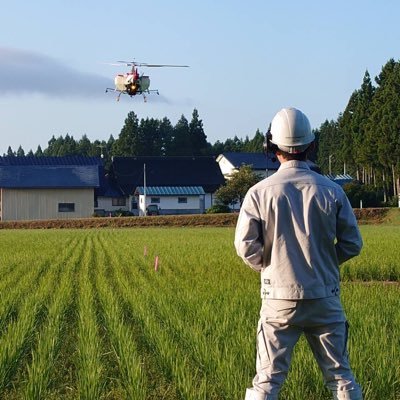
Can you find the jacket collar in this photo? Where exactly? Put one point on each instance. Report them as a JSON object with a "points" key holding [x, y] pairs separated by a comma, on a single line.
{"points": [[294, 164]]}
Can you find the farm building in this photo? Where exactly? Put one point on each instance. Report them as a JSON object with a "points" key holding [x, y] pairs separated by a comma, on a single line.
{"points": [[109, 198], [340, 179], [171, 199], [178, 172], [48, 187], [261, 164]]}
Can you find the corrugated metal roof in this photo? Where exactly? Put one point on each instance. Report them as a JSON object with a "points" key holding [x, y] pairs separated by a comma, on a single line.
{"points": [[171, 190], [339, 176], [47, 176], [340, 179]]}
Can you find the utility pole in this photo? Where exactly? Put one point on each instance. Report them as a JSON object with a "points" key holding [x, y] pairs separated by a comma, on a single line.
{"points": [[144, 189], [330, 163], [101, 149]]}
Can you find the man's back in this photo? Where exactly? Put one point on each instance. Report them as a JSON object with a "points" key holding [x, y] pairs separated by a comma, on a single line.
{"points": [[305, 228], [296, 227]]}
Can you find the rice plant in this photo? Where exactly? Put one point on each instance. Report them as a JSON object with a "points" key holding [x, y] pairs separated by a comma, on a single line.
{"points": [[90, 368], [91, 300], [44, 355]]}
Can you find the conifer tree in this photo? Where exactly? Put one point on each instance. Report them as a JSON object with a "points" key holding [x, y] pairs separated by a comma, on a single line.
{"points": [[128, 142], [181, 144], [39, 152], [150, 137], [198, 138], [329, 148], [20, 152], [10, 152], [166, 136]]}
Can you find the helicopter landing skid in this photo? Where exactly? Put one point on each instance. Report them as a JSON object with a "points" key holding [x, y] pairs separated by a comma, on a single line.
{"points": [[131, 95]]}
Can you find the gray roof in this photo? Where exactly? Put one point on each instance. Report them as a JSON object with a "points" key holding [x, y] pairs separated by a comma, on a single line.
{"points": [[171, 190], [49, 176], [179, 171], [51, 160]]}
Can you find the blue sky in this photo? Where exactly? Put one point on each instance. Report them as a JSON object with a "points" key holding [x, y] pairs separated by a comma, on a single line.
{"points": [[247, 60]]}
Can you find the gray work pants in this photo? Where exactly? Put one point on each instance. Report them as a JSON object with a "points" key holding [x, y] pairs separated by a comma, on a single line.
{"points": [[325, 327]]}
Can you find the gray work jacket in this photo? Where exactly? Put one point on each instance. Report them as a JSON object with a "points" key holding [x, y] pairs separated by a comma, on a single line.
{"points": [[296, 227]]}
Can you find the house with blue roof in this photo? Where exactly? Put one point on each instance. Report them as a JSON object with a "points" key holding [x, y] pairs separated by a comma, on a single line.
{"points": [[178, 184], [263, 165], [33, 188]]}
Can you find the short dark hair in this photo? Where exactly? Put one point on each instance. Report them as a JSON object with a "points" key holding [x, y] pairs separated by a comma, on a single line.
{"points": [[294, 156], [297, 156]]}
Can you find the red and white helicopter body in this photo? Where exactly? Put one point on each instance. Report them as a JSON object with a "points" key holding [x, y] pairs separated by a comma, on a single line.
{"points": [[131, 83]]}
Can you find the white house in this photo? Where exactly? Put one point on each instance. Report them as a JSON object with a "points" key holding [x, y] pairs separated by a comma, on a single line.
{"points": [[263, 165], [171, 199], [260, 163], [129, 173]]}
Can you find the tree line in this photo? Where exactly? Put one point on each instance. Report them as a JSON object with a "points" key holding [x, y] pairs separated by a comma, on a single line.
{"points": [[147, 137], [364, 141]]}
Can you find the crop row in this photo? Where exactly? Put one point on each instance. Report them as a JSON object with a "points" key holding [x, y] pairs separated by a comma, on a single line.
{"points": [[89, 317]]}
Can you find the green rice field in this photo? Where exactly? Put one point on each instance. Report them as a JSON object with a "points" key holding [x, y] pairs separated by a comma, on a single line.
{"points": [[84, 314]]}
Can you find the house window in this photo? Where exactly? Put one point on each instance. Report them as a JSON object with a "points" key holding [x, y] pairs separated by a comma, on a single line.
{"points": [[66, 207], [155, 200], [118, 201], [182, 200]]}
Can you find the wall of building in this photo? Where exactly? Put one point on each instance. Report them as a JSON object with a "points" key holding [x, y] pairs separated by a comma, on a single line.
{"points": [[209, 200], [34, 204], [170, 204], [225, 166], [105, 203]]}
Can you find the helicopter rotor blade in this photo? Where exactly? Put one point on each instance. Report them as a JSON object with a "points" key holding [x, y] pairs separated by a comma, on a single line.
{"points": [[107, 63], [130, 63], [164, 65], [140, 64]]}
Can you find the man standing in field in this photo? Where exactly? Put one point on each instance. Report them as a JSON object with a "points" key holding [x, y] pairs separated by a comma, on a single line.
{"points": [[296, 227]]}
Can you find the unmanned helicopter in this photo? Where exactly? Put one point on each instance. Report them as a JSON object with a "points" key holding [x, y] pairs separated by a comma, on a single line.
{"points": [[132, 83]]}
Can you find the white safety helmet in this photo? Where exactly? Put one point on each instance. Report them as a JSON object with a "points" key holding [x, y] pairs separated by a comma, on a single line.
{"points": [[291, 131]]}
